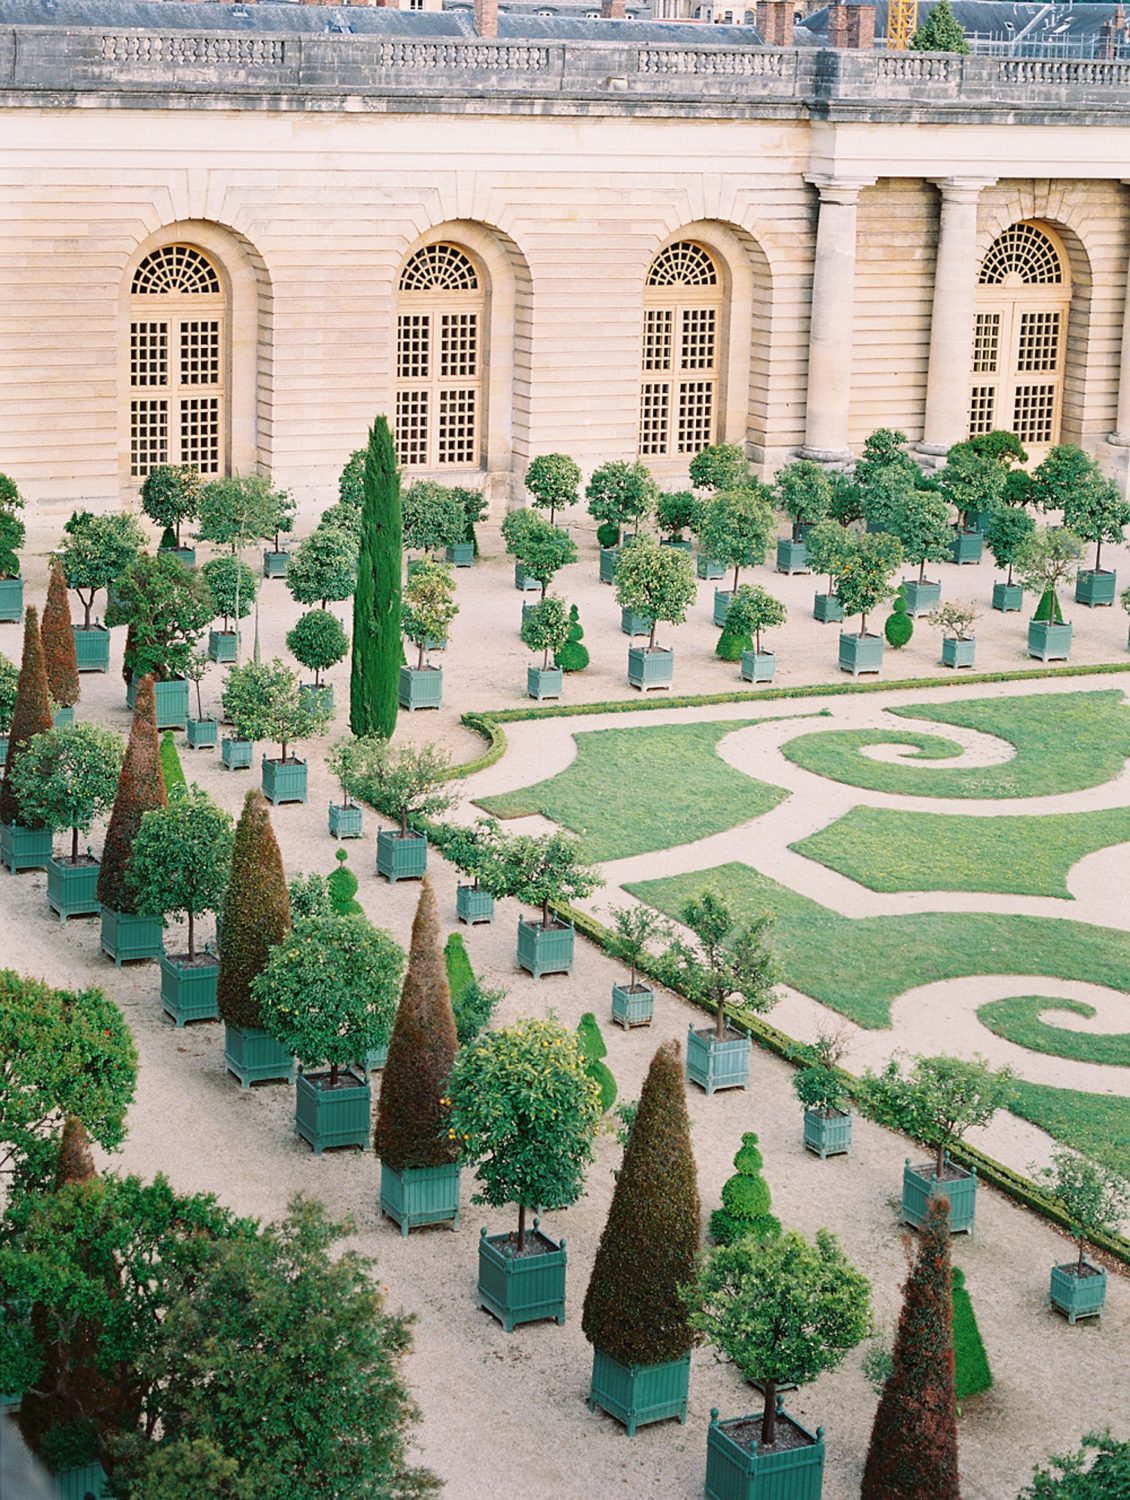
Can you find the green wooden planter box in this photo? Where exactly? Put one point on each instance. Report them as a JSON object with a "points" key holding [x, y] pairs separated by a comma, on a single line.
{"points": [[920, 1185], [80, 1484], [222, 644], [11, 600], [401, 858], [1008, 597], [473, 905], [545, 950], [71, 888], [792, 557], [633, 624], [63, 718], [421, 687], [721, 606], [375, 1060], [827, 609], [346, 820], [461, 554], [521, 1289], [202, 734], [921, 598], [320, 695], [25, 848], [128, 938], [737, 1472], [284, 781], [707, 568], [170, 700], [3, 751], [1048, 641], [632, 1007], [329, 1118], [758, 666], [1078, 1296], [254, 1056], [639, 1394], [1095, 590], [680, 544], [957, 653], [966, 547], [544, 682], [235, 753], [92, 648], [648, 669], [188, 991], [827, 1133], [274, 564], [527, 610], [184, 555], [715, 1065], [525, 581], [420, 1195], [609, 560], [860, 653]]}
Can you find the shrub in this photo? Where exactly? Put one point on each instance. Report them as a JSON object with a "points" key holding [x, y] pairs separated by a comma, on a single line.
{"points": [[971, 1364], [954, 619], [1099, 1470], [592, 1043], [31, 714], [166, 608], [341, 888], [12, 529], [472, 1003], [141, 788], [746, 1199], [309, 897], [59, 642], [608, 535], [181, 860], [655, 582], [675, 512], [233, 587], [572, 656], [722, 466], [900, 626], [9, 680], [553, 479], [323, 568], [620, 494], [172, 772], [433, 517], [318, 641], [256, 912], [170, 494]]}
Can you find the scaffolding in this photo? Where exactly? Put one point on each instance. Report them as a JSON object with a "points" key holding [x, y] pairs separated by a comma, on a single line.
{"points": [[902, 23]]}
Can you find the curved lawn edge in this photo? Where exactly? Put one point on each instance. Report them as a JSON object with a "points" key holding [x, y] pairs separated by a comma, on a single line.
{"points": [[1016, 1018]]}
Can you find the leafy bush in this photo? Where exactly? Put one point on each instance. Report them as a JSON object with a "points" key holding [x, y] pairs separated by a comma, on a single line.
{"points": [[572, 656], [595, 1051], [746, 1200], [472, 1003], [900, 626], [318, 641], [172, 772]]}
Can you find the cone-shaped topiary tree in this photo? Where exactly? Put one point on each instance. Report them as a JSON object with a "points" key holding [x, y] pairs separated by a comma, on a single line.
{"points": [[412, 1121], [634, 1310], [913, 1449], [31, 714], [59, 641], [141, 788], [256, 912], [745, 1199], [375, 676]]}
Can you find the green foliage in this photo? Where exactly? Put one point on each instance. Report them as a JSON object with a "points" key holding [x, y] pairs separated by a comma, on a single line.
{"points": [[168, 542], [722, 466], [608, 534], [592, 1044], [67, 778], [341, 888], [821, 1086], [1044, 562], [263, 701], [429, 605], [919, 518], [941, 31], [621, 494], [1098, 1470], [735, 527], [66, 1053], [405, 783], [433, 516], [972, 1374], [753, 609], [12, 529], [745, 1200], [323, 568], [727, 958], [553, 480], [95, 552], [166, 607], [375, 672], [675, 512], [474, 503], [471, 1002], [9, 678], [1097, 512], [170, 494], [884, 453], [541, 548], [181, 859], [954, 619], [256, 912], [804, 492], [1017, 1019], [656, 582], [1095, 1199], [863, 579], [233, 587], [633, 928], [939, 1101], [732, 643], [309, 896], [974, 480], [525, 1109], [1064, 471], [244, 508], [543, 870], [899, 627], [351, 481], [141, 788], [172, 772], [318, 640], [546, 627], [572, 656], [828, 546]]}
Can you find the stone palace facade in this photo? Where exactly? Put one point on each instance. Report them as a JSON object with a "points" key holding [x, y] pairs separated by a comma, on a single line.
{"points": [[229, 241]]}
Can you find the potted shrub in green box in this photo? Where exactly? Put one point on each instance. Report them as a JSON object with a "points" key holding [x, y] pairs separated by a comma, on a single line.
{"points": [[406, 784], [127, 933], [955, 621], [59, 657], [863, 582], [735, 527], [180, 867], [24, 845], [418, 1150], [1096, 1201], [974, 481], [657, 583], [725, 959], [276, 557], [170, 495], [1069, 481], [202, 731], [328, 994], [1043, 565], [322, 570], [429, 608], [828, 544], [553, 480], [525, 1110], [619, 495], [804, 492], [1006, 531], [676, 511], [545, 629], [346, 818], [263, 701], [166, 608], [12, 533], [66, 779], [633, 927], [721, 466], [752, 610], [462, 554], [920, 519], [238, 511], [543, 870], [822, 1089], [540, 549], [475, 851], [233, 587], [434, 518], [781, 1310], [635, 1316], [319, 642]]}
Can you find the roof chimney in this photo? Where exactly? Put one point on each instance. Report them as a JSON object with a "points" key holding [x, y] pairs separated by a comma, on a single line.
{"points": [[486, 17]]}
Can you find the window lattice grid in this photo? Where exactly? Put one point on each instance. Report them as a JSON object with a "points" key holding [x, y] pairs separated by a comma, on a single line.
{"points": [[1038, 344], [982, 407], [412, 427], [1033, 413], [439, 268], [413, 346], [695, 422], [148, 435], [698, 338], [655, 408], [1024, 253], [986, 343], [683, 264], [458, 345], [658, 337], [200, 433], [455, 438], [200, 351], [176, 269], [148, 354]]}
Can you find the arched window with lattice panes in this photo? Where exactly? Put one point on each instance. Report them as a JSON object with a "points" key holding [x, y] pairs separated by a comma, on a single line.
{"points": [[1020, 337], [177, 362], [682, 354], [440, 356]]}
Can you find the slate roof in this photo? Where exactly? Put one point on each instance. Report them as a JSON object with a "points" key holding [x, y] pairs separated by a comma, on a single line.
{"points": [[1071, 23]]}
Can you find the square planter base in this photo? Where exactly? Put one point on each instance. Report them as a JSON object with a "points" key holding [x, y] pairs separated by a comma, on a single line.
{"points": [[957, 653], [421, 687], [329, 1118], [202, 734], [522, 1288], [236, 754], [544, 682], [735, 1470], [1008, 597], [632, 1007], [417, 1196], [283, 781], [922, 597], [639, 1394], [717, 1065], [128, 938], [860, 653], [24, 848], [188, 991], [472, 906], [1095, 590], [650, 669], [346, 820], [71, 889], [758, 666], [827, 1134], [401, 858], [1049, 641], [920, 1185], [254, 1056], [545, 950], [827, 609], [274, 564], [1078, 1296], [92, 648], [78, 1484]]}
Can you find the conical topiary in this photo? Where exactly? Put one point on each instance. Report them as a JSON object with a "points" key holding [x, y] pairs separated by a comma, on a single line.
{"points": [[256, 912], [412, 1127], [745, 1199], [141, 788], [634, 1309], [913, 1451], [731, 644], [572, 657], [59, 642], [31, 713]]}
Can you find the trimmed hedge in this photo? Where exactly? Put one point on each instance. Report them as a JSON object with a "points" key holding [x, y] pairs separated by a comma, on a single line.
{"points": [[971, 1364], [594, 1049]]}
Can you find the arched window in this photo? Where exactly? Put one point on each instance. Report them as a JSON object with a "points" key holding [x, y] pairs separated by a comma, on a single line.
{"points": [[177, 362], [682, 315], [439, 360], [1020, 337]]}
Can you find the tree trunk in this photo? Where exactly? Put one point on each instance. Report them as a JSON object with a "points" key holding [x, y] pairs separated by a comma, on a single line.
{"points": [[333, 1075], [546, 919], [88, 605], [651, 637], [191, 939], [403, 822], [769, 1418], [940, 1158], [632, 979], [737, 570], [521, 1227], [757, 641], [1098, 553], [282, 757], [74, 846], [1008, 580], [420, 658], [863, 624], [720, 1021], [545, 660], [922, 571], [545, 585], [1082, 1249]]}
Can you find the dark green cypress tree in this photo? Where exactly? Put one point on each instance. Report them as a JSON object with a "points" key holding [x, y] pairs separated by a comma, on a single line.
{"points": [[256, 912], [375, 674]]}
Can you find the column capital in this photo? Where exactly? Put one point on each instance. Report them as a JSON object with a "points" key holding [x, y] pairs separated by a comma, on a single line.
{"points": [[962, 189], [835, 189]]}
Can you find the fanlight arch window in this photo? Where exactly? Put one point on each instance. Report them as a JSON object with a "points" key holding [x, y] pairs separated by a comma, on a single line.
{"points": [[1020, 337], [439, 360], [682, 351], [177, 362]]}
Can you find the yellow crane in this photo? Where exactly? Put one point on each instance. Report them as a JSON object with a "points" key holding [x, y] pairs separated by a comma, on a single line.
{"points": [[902, 23]]}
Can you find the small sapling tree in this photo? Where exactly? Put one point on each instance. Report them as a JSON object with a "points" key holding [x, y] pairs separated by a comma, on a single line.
{"points": [[955, 620], [620, 494], [939, 1100], [95, 552], [633, 928], [67, 778], [434, 517], [263, 701], [233, 587], [166, 607], [655, 582], [865, 573], [318, 641], [1007, 531], [751, 610], [540, 549], [736, 526], [553, 479], [722, 466], [181, 860], [725, 959], [429, 607], [170, 495], [544, 870], [404, 784], [546, 627], [804, 492], [676, 511], [1095, 1199], [323, 568], [1044, 563]]}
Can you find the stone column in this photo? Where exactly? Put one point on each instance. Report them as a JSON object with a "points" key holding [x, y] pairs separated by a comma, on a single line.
{"points": [[951, 320], [1120, 437], [833, 320]]}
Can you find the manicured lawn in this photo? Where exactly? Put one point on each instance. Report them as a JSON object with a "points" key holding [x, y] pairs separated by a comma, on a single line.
{"points": [[859, 965], [1017, 1019], [1064, 742], [1096, 1124], [907, 851], [632, 791]]}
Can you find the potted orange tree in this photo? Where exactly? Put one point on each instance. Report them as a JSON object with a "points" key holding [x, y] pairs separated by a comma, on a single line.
{"points": [[543, 870], [619, 494], [735, 528], [1096, 1201], [429, 608], [862, 583], [655, 584], [406, 785], [233, 586], [545, 628], [633, 1004], [1044, 561], [804, 492]]}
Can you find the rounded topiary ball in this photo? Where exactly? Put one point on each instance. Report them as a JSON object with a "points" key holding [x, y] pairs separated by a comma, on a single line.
{"points": [[900, 626], [608, 534]]}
